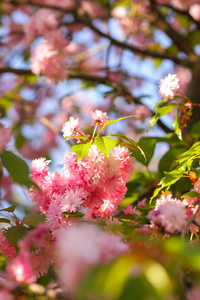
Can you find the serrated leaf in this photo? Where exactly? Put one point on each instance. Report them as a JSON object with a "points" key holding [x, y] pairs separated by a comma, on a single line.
{"points": [[176, 126], [105, 144], [131, 142], [4, 220], [81, 137], [16, 233], [17, 168], [192, 194], [9, 209], [107, 123], [34, 221], [82, 149]]}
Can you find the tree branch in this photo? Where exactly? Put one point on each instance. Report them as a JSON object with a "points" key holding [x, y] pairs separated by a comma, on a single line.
{"points": [[81, 18], [146, 52], [178, 40], [92, 78]]}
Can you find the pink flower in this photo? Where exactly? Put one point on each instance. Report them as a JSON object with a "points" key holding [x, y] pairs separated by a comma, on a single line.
{"points": [[43, 21], [142, 111], [98, 117], [49, 59], [131, 211], [70, 127], [73, 200], [4, 294], [6, 248], [81, 247], [39, 168], [181, 4], [197, 186], [20, 269], [194, 11], [171, 215], [169, 86], [4, 137]]}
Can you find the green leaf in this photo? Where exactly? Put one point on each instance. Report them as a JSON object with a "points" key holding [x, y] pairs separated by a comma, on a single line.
{"points": [[105, 144], [34, 221], [16, 233], [9, 209], [4, 220], [17, 168], [147, 144], [81, 137], [176, 126], [157, 104], [168, 158], [107, 123], [153, 120], [130, 144], [192, 194], [161, 111], [169, 179], [82, 149], [195, 131]]}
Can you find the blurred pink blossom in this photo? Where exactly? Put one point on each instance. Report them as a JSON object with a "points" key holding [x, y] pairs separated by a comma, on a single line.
{"points": [[4, 137]]}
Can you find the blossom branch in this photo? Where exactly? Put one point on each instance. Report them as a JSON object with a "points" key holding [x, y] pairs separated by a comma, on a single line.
{"points": [[92, 78]]}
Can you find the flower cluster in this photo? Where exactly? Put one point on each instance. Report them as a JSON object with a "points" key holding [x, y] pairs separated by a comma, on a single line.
{"points": [[49, 58], [169, 213], [169, 86], [95, 182]]}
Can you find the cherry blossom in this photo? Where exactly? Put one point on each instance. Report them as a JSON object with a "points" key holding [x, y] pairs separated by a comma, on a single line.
{"points": [[169, 86]]}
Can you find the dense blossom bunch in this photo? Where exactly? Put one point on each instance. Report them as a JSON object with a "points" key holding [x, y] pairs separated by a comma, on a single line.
{"points": [[169, 213], [41, 23], [169, 86], [49, 58], [96, 182]]}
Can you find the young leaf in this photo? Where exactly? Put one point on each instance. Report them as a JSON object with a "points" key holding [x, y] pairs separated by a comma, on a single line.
{"points": [[157, 104], [161, 111], [176, 126], [81, 137], [9, 209], [17, 168], [82, 149], [191, 194], [105, 144], [114, 121], [153, 120], [16, 233], [4, 220], [34, 221]]}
